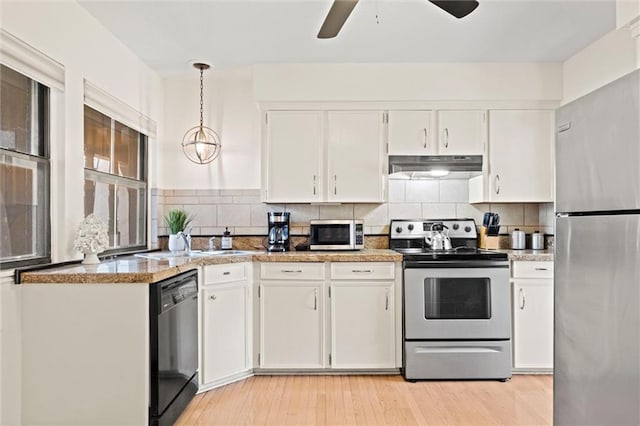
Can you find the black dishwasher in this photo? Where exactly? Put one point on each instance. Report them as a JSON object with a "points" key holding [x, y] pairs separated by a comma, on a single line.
{"points": [[173, 342]]}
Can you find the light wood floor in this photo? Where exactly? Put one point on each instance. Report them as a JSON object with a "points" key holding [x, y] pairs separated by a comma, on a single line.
{"points": [[373, 400]]}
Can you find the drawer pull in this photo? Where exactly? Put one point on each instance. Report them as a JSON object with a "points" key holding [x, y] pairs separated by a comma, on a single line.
{"points": [[291, 271], [226, 273], [542, 269], [362, 271], [213, 297]]}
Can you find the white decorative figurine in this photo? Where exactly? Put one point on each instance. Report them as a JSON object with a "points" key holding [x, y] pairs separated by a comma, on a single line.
{"points": [[91, 238]]}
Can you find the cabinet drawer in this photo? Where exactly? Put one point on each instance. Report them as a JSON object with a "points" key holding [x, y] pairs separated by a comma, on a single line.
{"points": [[215, 274], [292, 271], [532, 269], [362, 270]]}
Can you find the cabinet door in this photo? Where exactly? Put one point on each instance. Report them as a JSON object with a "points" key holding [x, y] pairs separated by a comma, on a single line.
{"points": [[362, 325], [521, 156], [356, 156], [411, 133], [224, 331], [291, 319], [462, 132], [533, 323], [294, 140]]}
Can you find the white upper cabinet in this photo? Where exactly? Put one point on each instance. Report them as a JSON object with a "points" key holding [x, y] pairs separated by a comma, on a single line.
{"points": [[294, 141], [412, 133], [318, 156], [520, 158], [355, 156], [462, 132]]}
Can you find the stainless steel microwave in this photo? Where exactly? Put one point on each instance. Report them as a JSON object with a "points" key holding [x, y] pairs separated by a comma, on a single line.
{"points": [[336, 234]]}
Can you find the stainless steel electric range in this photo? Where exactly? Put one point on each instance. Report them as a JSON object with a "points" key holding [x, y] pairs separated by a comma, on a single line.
{"points": [[456, 302]]}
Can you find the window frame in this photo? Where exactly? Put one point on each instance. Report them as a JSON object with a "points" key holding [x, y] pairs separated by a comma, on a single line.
{"points": [[112, 178], [41, 107]]}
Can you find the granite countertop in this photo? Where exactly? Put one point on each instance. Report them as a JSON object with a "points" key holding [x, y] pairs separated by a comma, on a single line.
{"points": [[530, 255], [132, 269], [367, 255]]}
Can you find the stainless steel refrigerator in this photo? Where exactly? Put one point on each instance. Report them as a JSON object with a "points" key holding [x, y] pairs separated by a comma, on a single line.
{"points": [[597, 258]]}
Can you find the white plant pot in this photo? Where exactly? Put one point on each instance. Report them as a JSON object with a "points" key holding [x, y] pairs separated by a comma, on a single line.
{"points": [[175, 243], [91, 259]]}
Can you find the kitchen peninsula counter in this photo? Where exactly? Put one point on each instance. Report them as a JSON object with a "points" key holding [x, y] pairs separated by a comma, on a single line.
{"points": [[138, 270]]}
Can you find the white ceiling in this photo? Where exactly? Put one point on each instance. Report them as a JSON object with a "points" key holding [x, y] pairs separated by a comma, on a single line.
{"points": [[168, 34]]}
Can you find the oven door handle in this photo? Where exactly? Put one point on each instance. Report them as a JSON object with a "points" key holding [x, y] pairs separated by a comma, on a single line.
{"points": [[456, 264], [461, 349]]}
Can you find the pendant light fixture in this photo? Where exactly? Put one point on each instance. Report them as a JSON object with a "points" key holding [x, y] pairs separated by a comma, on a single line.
{"points": [[201, 144]]}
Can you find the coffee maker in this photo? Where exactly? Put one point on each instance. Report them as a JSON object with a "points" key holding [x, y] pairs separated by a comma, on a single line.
{"points": [[278, 223]]}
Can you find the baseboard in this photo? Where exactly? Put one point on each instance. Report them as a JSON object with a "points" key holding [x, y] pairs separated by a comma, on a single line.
{"points": [[325, 372], [225, 381]]}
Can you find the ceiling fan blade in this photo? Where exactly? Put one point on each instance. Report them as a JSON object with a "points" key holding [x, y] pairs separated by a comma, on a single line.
{"points": [[338, 14], [457, 8]]}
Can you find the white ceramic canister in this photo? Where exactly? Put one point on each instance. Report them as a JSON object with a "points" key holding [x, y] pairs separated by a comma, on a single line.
{"points": [[517, 240], [537, 241]]}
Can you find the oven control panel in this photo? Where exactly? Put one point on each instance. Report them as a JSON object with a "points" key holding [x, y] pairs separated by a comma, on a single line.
{"points": [[419, 228]]}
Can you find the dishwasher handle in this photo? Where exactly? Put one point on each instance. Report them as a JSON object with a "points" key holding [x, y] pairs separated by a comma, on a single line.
{"points": [[177, 290]]}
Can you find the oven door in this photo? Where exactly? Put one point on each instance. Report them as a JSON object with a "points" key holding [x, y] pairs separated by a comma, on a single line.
{"points": [[457, 302]]}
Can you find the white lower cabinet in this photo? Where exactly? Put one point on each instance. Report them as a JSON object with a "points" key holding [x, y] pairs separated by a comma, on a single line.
{"points": [[225, 324], [347, 321], [291, 325], [362, 325], [532, 316]]}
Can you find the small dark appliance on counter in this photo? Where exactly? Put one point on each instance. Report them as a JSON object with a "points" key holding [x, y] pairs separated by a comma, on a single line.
{"points": [[278, 223]]}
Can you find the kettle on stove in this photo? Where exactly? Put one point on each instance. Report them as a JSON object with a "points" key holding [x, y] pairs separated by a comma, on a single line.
{"points": [[438, 238]]}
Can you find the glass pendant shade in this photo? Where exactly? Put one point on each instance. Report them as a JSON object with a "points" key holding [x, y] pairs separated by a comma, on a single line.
{"points": [[201, 144]]}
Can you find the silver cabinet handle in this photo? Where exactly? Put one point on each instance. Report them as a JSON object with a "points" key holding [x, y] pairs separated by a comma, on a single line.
{"points": [[362, 271], [226, 273], [386, 301], [291, 271], [213, 297], [541, 269], [523, 301], [315, 299], [496, 183], [425, 138], [446, 137], [335, 184], [314, 184]]}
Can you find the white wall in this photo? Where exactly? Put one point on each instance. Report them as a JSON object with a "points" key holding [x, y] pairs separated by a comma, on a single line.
{"points": [[605, 60], [230, 110], [233, 98], [408, 82], [71, 36]]}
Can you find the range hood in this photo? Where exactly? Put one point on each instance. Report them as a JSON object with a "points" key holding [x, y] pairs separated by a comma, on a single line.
{"points": [[434, 166]]}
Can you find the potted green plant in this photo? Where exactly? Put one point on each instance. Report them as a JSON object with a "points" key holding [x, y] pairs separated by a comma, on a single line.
{"points": [[177, 220]]}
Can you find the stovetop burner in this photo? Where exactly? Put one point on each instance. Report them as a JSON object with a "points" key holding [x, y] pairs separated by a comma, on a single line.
{"points": [[408, 237]]}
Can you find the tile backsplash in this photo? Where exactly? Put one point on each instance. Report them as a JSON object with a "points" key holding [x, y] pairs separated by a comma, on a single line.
{"points": [[244, 214]]}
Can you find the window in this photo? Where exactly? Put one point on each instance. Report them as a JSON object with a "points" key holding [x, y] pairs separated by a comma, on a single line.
{"points": [[115, 187], [24, 170]]}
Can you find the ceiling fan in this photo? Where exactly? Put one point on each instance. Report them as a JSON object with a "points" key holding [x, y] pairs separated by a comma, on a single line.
{"points": [[341, 9]]}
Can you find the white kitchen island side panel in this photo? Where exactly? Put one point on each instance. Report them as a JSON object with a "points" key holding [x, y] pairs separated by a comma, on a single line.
{"points": [[85, 354]]}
